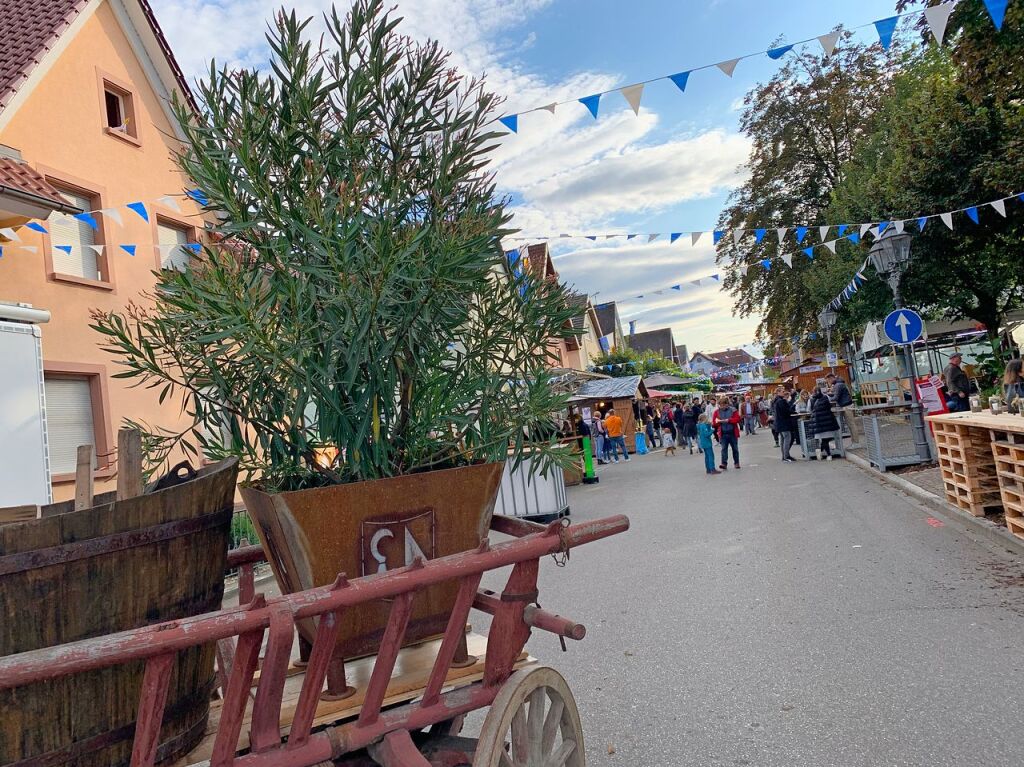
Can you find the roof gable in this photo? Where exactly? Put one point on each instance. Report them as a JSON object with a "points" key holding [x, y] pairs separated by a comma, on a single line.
{"points": [[33, 34]]}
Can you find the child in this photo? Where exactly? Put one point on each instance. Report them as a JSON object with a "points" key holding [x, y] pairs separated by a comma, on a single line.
{"points": [[704, 432], [667, 442]]}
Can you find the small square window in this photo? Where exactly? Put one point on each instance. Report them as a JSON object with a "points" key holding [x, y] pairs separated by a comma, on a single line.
{"points": [[119, 111], [173, 240]]}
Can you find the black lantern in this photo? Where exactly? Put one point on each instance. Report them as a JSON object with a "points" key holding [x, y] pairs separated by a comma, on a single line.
{"points": [[890, 255]]}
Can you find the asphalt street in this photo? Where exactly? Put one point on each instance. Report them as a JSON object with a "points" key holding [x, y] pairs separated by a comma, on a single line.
{"points": [[799, 614]]}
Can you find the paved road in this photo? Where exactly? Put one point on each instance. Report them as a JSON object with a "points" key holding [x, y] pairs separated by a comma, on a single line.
{"points": [[786, 615]]}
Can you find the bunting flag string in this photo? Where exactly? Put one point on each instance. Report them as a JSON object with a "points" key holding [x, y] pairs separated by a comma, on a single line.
{"points": [[715, 278], [800, 231], [936, 16], [130, 248], [169, 201]]}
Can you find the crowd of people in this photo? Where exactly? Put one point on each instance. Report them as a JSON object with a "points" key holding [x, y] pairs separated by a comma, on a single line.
{"points": [[708, 424]]}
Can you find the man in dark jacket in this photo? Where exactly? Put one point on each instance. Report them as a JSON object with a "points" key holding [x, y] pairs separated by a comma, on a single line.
{"points": [[844, 405], [782, 411], [679, 420], [958, 385]]}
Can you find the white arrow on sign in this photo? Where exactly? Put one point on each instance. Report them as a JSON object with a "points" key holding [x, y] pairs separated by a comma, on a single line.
{"points": [[903, 323]]}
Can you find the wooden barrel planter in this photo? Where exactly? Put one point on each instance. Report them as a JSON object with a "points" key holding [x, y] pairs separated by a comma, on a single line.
{"points": [[115, 566], [364, 528]]}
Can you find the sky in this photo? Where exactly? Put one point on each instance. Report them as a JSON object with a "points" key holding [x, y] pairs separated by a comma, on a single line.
{"points": [[668, 169]]}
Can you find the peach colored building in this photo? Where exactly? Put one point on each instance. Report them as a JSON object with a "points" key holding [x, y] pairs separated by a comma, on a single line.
{"points": [[85, 125]]}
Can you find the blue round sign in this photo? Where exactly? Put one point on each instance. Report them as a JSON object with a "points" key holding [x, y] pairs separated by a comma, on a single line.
{"points": [[904, 326]]}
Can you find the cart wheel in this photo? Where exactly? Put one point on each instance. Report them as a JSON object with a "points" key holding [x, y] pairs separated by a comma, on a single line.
{"points": [[532, 723]]}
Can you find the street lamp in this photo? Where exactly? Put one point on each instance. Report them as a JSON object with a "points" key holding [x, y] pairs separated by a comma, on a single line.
{"points": [[890, 255], [827, 321]]}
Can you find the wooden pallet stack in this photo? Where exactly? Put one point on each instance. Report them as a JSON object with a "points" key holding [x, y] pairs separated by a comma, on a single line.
{"points": [[968, 466], [1008, 451]]}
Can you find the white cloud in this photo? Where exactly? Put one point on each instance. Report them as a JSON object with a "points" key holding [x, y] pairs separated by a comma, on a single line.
{"points": [[566, 172]]}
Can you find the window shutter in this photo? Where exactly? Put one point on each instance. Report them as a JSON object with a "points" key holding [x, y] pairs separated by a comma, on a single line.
{"points": [[176, 257], [68, 422], [68, 230]]}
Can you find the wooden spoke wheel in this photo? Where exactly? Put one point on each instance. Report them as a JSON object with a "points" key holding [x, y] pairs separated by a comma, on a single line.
{"points": [[532, 723]]}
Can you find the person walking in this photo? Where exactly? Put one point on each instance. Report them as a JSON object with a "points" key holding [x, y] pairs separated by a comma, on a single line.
{"points": [[763, 411], [823, 423], [749, 412], [668, 442], [707, 447], [666, 420], [650, 430], [727, 423], [600, 432], [783, 415], [1013, 386], [958, 385], [679, 419], [613, 424], [689, 427]]}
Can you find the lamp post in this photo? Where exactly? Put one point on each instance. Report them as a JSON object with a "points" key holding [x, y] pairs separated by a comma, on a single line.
{"points": [[890, 256], [827, 321]]}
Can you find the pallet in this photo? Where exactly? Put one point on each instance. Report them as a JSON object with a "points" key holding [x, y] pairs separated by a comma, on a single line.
{"points": [[968, 467], [407, 683], [1008, 451]]}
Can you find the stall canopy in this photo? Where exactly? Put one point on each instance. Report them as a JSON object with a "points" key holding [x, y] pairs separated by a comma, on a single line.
{"points": [[655, 394], [628, 387], [662, 380]]}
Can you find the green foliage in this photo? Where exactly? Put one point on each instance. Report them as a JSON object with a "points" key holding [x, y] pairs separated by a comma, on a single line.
{"points": [[356, 296], [803, 125], [633, 362]]}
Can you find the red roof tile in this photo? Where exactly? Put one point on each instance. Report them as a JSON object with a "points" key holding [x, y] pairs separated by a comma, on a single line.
{"points": [[30, 28], [19, 177]]}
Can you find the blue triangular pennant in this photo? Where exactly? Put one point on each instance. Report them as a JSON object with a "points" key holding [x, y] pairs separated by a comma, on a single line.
{"points": [[882, 226], [767, 264], [717, 235], [809, 252], [715, 277], [139, 208], [801, 232], [921, 222], [592, 103], [129, 249], [88, 218], [65, 248], [511, 122], [997, 10], [677, 287], [195, 247], [759, 234], [778, 53], [592, 237], [36, 227], [972, 213], [885, 29], [198, 195], [630, 236], [853, 237], [680, 78], [674, 236], [841, 230]]}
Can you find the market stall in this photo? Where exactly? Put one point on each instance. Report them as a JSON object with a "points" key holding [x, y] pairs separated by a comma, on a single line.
{"points": [[623, 394]]}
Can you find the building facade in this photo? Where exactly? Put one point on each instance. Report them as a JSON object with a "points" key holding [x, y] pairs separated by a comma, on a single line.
{"points": [[85, 88]]}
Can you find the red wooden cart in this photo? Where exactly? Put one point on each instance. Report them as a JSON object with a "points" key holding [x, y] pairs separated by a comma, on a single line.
{"points": [[393, 722]]}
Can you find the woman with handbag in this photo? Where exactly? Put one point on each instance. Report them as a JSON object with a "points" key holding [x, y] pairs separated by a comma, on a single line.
{"points": [[1013, 386]]}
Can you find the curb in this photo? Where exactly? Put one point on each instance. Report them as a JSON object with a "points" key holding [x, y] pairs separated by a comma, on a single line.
{"points": [[977, 529]]}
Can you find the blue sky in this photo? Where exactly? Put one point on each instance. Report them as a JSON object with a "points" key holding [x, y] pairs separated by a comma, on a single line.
{"points": [[668, 169]]}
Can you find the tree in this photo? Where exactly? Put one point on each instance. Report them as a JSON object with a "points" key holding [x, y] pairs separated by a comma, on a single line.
{"points": [[803, 125], [356, 299], [934, 147]]}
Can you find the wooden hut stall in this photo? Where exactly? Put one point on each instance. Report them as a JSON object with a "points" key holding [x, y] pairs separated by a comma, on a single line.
{"points": [[808, 373], [619, 393]]}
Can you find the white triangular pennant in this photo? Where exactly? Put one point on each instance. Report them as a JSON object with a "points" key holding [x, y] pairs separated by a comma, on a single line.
{"points": [[947, 219], [97, 249], [695, 282], [823, 232], [168, 201], [632, 94], [9, 234], [831, 245], [695, 237], [737, 235], [864, 228], [30, 248], [873, 231], [549, 107], [113, 214], [999, 206], [728, 67], [781, 233], [829, 41], [610, 236], [898, 226], [937, 17], [788, 258], [652, 237]]}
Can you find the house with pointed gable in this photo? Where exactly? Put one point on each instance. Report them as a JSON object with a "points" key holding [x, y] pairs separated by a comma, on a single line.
{"points": [[86, 128]]}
